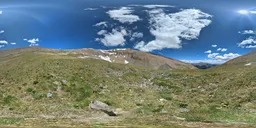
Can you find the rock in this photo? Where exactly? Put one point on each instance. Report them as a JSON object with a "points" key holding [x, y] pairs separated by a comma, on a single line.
{"points": [[162, 100], [163, 111], [49, 95], [184, 110], [56, 83], [100, 106]]}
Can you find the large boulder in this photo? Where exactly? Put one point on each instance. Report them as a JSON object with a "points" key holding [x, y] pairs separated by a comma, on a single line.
{"points": [[100, 106]]}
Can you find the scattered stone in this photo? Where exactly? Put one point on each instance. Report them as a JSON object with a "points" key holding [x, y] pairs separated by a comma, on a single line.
{"points": [[162, 100], [163, 111], [100, 106], [56, 83], [179, 118], [49, 95], [184, 110], [65, 82]]}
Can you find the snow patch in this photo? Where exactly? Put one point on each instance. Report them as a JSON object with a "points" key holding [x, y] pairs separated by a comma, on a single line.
{"points": [[126, 62], [83, 57], [249, 64], [106, 58]]}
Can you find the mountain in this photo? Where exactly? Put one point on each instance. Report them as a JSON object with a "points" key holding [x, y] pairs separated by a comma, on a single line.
{"points": [[121, 56], [133, 57], [202, 65]]}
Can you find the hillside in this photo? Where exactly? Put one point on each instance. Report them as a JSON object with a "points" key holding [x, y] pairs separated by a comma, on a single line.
{"points": [[45, 87], [133, 57], [245, 60]]}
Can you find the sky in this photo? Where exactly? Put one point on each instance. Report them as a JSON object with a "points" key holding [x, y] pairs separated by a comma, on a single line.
{"points": [[212, 31]]}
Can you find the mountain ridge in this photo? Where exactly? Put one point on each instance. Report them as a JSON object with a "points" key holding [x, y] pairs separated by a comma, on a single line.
{"points": [[123, 56]]}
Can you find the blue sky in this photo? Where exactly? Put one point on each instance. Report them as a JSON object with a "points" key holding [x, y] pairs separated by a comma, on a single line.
{"points": [[187, 30]]}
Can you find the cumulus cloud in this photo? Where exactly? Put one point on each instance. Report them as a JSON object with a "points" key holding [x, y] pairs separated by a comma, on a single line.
{"points": [[115, 38], [157, 6], [102, 32], [33, 41], [136, 35], [227, 57], [248, 32], [91, 9], [1, 12], [3, 42], [101, 24], [248, 43], [214, 45], [1, 31], [222, 49], [208, 52], [123, 15], [212, 55], [139, 45], [13, 43], [210, 61], [170, 29], [253, 12], [215, 58], [153, 6]]}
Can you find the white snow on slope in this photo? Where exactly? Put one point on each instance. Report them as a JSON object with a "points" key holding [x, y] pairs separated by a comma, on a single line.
{"points": [[106, 58]]}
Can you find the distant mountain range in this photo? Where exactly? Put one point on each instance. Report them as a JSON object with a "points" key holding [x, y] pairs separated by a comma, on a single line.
{"points": [[202, 65]]}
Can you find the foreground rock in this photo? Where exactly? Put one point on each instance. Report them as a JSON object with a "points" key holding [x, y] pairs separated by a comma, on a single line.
{"points": [[100, 106]]}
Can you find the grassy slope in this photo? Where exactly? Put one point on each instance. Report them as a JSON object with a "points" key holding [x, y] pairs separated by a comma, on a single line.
{"points": [[220, 94]]}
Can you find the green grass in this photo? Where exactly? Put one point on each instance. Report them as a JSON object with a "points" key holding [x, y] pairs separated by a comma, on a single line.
{"points": [[6, 121], [221, 94]]}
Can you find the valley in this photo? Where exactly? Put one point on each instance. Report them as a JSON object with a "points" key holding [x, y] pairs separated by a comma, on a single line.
{"points": [[54, 88]]}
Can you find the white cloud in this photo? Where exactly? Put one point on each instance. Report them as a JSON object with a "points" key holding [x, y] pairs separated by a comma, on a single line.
{"points": [[136, 35], [1, 12], [102, 32], [90, 9], [3, 42], [222, 49], [157, 6], [1, 46], [169, 29], [248, 43], [215, 58], [101, 23], [1, 31], [115, 38], [210, 61], [13, 43], [139, 45], [33, 42], [253, 12], [212, 55], [249, 32], [123, 15], [214, 45], [251, 46], [226, 57], [208, 52]]}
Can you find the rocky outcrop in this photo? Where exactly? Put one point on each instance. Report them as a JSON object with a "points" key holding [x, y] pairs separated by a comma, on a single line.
{"points": [[100, 106]]}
